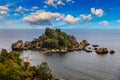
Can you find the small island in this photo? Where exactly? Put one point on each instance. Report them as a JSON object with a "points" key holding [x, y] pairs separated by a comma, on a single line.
{"points": [[56, 41]]}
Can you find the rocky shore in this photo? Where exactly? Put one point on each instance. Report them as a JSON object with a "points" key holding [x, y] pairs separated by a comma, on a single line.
{"points": [[20, 45], [55, 41], [83, 46]]}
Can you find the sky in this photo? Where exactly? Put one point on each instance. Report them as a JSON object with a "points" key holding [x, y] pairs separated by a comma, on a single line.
{"points": [[66, 14]]}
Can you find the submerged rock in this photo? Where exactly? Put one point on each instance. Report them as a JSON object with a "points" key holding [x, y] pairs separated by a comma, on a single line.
{"points": [[102, 51]]}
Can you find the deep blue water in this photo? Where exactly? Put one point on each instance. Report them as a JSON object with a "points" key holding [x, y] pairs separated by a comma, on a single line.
{"points": [[73, 65]]}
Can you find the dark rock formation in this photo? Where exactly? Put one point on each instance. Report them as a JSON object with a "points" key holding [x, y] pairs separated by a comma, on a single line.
{"points": [[95, 48], [18, 45], [102, 50], [88, 50], [95, 45], [83, 44], [112, 51], [27, 45]]}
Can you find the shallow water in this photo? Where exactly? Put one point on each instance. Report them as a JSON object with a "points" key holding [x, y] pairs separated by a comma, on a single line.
{"points": [[77, 65]]}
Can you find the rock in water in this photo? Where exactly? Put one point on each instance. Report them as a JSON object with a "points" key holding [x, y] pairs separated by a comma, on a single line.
{"points": [[102, 51], [112, 51], [83, 44], [18, 45], [95, 45], [27, 45]]}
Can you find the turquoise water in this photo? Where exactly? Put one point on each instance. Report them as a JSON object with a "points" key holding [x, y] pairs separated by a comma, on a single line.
{"points": [[74, 65]]}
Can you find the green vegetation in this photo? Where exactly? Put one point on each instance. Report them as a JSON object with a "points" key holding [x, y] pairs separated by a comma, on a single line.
{"points": [[11, 68], [52, 41], [55, 39]]}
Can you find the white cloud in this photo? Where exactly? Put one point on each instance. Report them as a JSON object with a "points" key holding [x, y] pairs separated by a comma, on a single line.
{"points": [[60, 3], [41, 18], [45, 6], [15, 14], [97, 12], [118, 21], [60, 18], [105, 23], [70, 19], [3, 10], [21, 9], [51, 3], [68, 0], [72, 1], [34, 8], [86, 17]]}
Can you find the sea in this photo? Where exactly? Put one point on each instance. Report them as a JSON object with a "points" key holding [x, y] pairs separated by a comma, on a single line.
{"points": [[77, 65]]}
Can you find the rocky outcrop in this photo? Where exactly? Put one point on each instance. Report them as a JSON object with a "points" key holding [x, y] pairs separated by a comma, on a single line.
{"points": [[39, 44], [95, 46], [112, 51], [63, 50], [27, 45], [88, 50], [102, 51], [18, 45], [83, 44]]}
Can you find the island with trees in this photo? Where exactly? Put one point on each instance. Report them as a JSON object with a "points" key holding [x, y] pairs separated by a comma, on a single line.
{"points": [[56, 41]]}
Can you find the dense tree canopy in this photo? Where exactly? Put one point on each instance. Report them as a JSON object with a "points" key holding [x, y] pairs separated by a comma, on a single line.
{"points": [[11, 68], [56, 39]]}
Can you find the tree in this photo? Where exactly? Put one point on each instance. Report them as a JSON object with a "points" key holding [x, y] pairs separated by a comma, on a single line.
{"points": [[44, 72], [10, 71], [11, 68], [50, 43]]}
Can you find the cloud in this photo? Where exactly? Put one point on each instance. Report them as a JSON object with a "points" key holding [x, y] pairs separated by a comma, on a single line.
{"points": [[97, 12], [21, 9], [34, 8], [68, 0], [118, 21], [105, 23], [41, 18], [45, 6], [15, 14], [60, 18], [51, 3], [72, 1], [70, 19], [3, 10], [86, 17], [55, 3], [60, 3]]}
